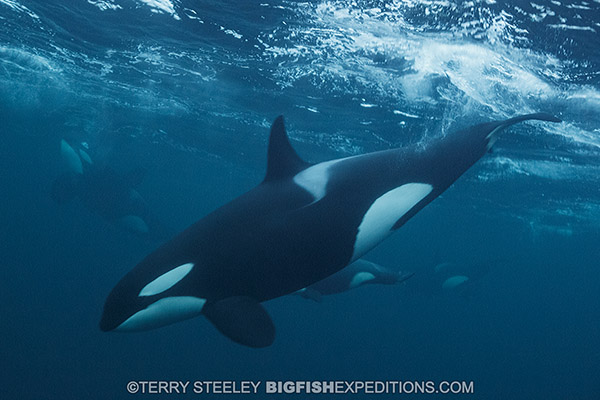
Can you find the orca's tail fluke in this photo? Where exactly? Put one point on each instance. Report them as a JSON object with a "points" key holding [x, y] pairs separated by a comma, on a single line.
{"points": [[535, 116], [501, 125]]}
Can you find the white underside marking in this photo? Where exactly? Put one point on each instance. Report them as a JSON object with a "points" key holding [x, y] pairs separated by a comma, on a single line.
{"points": [[383, 214], [70, 158], [166, 280], [454, 281], [164, 312], [360, 278], [135, 224]]}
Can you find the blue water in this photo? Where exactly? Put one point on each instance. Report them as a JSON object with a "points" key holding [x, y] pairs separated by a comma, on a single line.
{"points": [[188, 90]]}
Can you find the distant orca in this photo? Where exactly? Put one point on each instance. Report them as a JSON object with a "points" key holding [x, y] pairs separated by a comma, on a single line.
{"points": [[102, 190], [360, 272], [301, 224], [453, 278], [457, 277]]}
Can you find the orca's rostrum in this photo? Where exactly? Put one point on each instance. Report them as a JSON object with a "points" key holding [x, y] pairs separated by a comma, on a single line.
{"points": [[303, 223]]}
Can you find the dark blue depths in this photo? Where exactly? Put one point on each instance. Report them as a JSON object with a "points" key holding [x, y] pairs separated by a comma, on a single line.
{"points": [[187, 91]]}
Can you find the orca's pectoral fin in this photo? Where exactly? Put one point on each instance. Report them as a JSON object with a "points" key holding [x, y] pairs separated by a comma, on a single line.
{"points": [[243, 320]]}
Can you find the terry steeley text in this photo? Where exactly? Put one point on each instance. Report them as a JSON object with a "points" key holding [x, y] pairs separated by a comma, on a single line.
{"points": [[300, 387]]}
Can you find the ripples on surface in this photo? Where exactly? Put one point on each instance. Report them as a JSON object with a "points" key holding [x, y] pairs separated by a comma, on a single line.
{"points": [[350, 77]]}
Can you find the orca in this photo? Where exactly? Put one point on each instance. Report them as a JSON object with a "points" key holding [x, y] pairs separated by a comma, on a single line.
{"points": [[454, 282], [453, 277], [360, 272], [457, 279], [109, 194], [302, 223]]}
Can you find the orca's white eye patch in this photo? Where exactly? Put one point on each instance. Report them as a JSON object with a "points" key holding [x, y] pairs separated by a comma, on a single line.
{"points": [[166, 280], [454, 281], [360, 278]]}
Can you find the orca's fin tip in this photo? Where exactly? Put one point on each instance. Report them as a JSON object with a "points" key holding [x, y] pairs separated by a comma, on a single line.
{"points": [[282, 159], [546, 117], [541, 116]]}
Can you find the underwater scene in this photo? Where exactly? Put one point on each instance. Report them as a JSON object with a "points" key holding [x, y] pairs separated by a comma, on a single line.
{"points": [[299, 199]]}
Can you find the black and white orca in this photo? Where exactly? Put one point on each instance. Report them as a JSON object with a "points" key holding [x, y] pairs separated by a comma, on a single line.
{"points": [[109, 194], [452, 277], [303, 223], [360, 272]]}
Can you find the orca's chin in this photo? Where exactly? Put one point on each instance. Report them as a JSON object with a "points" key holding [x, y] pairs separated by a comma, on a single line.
{"points": [[162, 312], [106, 325]]}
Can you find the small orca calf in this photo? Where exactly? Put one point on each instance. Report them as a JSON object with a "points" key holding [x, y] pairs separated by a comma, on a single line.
{"points": [[102, 190], [303, 223], [360, 272]]}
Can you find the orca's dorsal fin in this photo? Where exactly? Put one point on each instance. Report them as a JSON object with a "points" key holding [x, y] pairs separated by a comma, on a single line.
{"points": [[282, 159]]}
